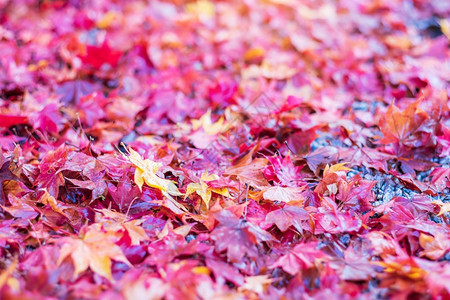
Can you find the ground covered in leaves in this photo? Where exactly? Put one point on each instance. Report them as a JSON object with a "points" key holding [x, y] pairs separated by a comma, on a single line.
{"points": [[253, 149]]}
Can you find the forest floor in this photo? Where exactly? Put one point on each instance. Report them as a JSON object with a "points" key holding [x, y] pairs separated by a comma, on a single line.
{"points": [[256, 149]]}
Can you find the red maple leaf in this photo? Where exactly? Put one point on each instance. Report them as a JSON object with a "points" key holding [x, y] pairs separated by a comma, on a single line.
{"points": [[301, 257], [238, 236], [287, 216], [96, 56], [356, 193], [440, 178], [283, 171]]}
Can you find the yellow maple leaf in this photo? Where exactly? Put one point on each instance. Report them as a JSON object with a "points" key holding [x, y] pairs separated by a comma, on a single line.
{"points": [[208, 126], [335, 168], [146, 172], [204, 190], [94, 249], [444, 207]]}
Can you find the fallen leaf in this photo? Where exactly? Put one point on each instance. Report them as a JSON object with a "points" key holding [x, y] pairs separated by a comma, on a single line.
{"points": [[397, 126], [287, 216], [204, 190], [92, 249], [434, 247], [238, 237], [301, 257], [283, 194]]}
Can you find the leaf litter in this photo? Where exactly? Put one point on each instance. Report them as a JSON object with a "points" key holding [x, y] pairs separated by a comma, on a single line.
{"points": [[211, 150]]}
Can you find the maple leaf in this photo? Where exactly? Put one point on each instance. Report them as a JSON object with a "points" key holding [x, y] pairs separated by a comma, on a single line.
{"points": [[254, 54], [249, 170], [270, 71], [397, 217], [107, 20], [440, 178], [207, 125], [444, 142], [48, 199], [321, 156], [73, 91], [289, 215], [370, 158], [5, 174], [118, 222], [94, 249], [203, 138], [138, 283], [354, 266], [444, 207], [90, 168], [331, 177], [301, 257], [146, 172], [283, 194], [434, 247], [416, 204], [337, 222], [239, 237], [438, 280], [49, 177], [398, 126], [356, 192], [204, 190], [124, 193], [173, 244], [283, 171], [383, 244], [335, 169], [22, 208]]}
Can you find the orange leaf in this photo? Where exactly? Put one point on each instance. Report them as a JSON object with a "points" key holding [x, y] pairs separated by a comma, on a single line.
{"points": [[398, 125], [434, 247], [94, 250], [249, 170], [49, 200]]}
